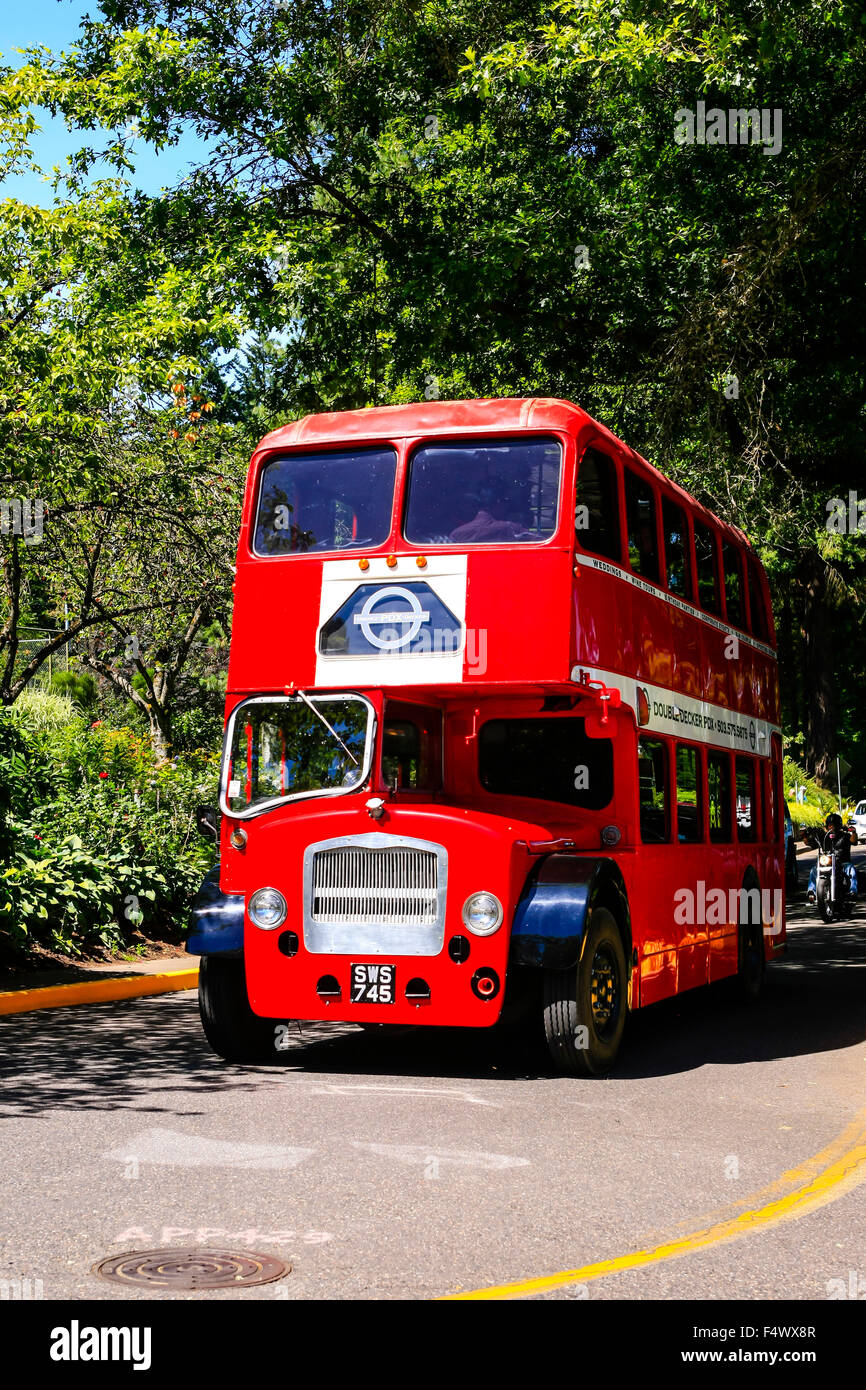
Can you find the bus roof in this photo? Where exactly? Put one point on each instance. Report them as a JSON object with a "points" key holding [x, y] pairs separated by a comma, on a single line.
{"points": [[497, 414], [430, 417]]}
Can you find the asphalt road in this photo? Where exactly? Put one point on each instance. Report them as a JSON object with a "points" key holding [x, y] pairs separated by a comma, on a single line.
{"points": [[427, 1163]]}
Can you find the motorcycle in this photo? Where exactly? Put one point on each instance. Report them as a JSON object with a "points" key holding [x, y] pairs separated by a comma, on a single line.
{"points": [[833, 883]]}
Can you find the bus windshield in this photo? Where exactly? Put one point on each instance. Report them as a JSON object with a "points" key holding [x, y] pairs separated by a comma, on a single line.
{"points": [[300, 746], [474, 491], [335, 500]]}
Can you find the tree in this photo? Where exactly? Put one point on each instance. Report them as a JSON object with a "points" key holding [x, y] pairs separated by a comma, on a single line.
{"points": [[115, 476], [475, 199]]}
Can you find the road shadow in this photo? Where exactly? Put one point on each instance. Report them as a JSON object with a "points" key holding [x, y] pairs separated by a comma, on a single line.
{"points": [[149, 1055]]}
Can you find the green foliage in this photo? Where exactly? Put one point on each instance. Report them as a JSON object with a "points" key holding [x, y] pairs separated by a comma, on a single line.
{"points": [[37, 710], [81, 688], [802, 813], [100, 835], [819, 801]]}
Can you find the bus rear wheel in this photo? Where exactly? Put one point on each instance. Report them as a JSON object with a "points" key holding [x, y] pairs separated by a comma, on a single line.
{"points": [[751, 962], [585, 1007], [234, 1032]]}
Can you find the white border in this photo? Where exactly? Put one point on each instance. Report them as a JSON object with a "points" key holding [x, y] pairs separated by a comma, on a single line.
{"points": [[685, 718], [446, 577]]}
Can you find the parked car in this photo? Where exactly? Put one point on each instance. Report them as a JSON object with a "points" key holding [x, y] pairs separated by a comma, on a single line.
{"points": [[791, 872], [857, 823]]}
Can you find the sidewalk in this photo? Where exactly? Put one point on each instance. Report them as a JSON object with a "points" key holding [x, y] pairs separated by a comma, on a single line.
{"points": [[94, 970], [96, 983]]}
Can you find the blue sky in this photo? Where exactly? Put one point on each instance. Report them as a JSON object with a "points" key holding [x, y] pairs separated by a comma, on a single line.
{"points": [[55, 23]]}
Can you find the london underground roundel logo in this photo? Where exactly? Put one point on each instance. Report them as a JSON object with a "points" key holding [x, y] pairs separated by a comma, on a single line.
{"points": [[391, 620], [405, 624]]}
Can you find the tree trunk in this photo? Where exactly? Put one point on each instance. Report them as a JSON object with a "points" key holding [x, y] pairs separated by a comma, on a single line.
{"points": [[161, 732], [818, 672]]}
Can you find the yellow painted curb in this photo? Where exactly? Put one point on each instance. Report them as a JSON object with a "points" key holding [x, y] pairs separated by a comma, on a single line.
{"points": [[846, 1172], [19, 1001]]}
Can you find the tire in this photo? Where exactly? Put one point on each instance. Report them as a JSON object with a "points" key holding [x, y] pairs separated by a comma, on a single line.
{"points": [[751, 963], [234, 1032], [584, 1040], [825, 906]]}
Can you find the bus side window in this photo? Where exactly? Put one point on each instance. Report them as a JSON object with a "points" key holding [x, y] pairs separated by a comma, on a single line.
{"points": [[596, 506], [652, 769], [736, 608], [747, 809], [412, 747], [719, 789], [640, 510], [690, 797], [707, 567], [677, 559], [756, 600]]}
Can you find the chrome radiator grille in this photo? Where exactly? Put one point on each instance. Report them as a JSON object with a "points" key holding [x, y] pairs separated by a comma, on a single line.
{"points": [[397, 887], [375, 893]]}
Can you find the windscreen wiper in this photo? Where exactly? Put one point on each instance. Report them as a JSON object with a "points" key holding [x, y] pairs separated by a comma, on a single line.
{"points": [[319, 715]]}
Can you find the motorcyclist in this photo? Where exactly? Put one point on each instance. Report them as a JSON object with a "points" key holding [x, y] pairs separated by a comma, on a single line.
{"points": [[836, 838]]}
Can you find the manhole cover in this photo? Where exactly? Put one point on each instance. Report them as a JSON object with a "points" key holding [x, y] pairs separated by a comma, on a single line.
{"points": [[191, 1269]]}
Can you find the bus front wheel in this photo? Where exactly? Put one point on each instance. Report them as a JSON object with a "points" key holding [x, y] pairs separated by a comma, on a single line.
{"points": [[585, 1007], [234, 1032]]}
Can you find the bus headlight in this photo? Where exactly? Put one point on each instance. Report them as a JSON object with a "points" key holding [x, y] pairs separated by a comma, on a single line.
{"points": [[482, 913], [267, 908]]}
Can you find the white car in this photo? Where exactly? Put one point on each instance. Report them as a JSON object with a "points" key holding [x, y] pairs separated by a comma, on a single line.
{"points": [[858, 820]]}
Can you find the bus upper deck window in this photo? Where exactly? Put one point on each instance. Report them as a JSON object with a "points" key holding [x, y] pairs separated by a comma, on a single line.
{"points": [[677, 556], [707, 567], [483, 491], [640, 512], [339, 499], [734, 600], [596, 506]]}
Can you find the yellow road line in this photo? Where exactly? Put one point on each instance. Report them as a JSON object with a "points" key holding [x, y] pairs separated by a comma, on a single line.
{"points": [[819, 1184], [17, 1001]]}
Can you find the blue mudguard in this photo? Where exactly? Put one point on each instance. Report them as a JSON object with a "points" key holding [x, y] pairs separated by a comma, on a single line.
{"points": [[552, 915], [216, 919]]}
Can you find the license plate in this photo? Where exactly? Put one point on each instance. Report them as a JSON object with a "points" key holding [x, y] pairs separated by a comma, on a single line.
{"points": [[373, 984]]}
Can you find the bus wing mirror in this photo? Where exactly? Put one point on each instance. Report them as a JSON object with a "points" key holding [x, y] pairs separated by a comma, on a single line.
{"points": [[596, 727], [598, 723]]}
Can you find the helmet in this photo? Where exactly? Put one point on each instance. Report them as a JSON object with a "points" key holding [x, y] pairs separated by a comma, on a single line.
{"points": [[834, 822]]}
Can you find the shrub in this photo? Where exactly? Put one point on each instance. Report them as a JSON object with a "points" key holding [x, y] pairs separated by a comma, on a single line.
{"points": [[81, 688], [100, 836]]}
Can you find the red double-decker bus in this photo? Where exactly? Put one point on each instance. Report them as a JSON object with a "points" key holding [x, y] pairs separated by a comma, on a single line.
{"points": [[502, 732]]}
